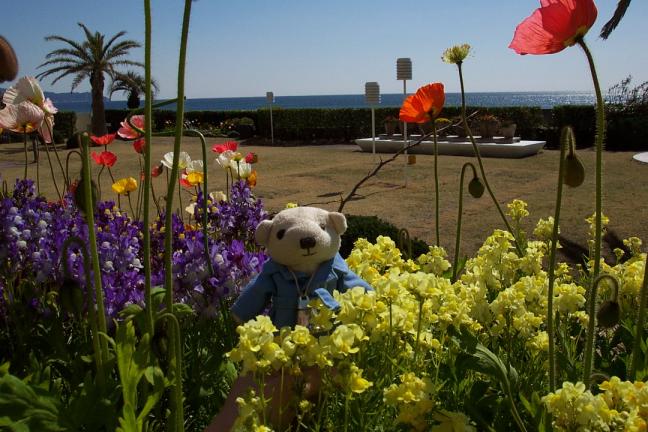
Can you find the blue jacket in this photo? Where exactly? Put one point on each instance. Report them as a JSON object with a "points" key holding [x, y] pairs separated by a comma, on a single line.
{"points": [[275, 284]]}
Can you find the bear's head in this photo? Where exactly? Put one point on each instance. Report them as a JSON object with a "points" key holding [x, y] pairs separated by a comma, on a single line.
{"points": [[301, 238]]}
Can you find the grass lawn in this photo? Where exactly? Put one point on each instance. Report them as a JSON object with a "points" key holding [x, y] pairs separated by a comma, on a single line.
{"points": [[319, 175]]}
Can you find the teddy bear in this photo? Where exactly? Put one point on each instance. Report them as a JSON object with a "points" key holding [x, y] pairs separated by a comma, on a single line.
{"points": [[304, 264]]}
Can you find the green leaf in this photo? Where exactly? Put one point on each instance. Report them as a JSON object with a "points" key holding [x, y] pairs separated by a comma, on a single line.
{"points": [[24, 407]]}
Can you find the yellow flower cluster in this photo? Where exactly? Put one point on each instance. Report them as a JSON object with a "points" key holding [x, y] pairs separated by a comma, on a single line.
{"points": [[517, 209], [622, 405], [370, 261], [250, 415], [412, 398], [434, 261]]}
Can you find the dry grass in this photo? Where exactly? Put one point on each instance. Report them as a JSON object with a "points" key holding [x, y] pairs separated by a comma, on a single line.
{"points": [[320, 175]]}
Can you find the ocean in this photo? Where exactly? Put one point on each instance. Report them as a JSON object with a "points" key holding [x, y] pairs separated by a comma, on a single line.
{"points": [[493, 99]]}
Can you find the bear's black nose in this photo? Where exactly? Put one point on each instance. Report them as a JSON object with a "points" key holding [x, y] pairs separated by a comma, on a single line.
{"points": [[307, 242]]}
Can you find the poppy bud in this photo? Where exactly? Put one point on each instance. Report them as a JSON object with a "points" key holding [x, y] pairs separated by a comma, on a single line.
{"points": [[71, 296], [574, 171], [608, 314], [79, 195], [476, 187], [157, 170], [8, 61]]}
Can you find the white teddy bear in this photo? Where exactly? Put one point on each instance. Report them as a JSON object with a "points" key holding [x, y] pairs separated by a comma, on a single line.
{"points": [[303, 245]]}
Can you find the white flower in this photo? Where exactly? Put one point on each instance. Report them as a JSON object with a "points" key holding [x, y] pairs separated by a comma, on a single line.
{"points": [[27, 89], [241, 169], [191, 208], [24, 117], [217, 196], [195, 166], [183, 161], [223, 159]]}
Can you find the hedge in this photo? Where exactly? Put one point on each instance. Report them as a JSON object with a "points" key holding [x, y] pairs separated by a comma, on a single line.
{"points": [[625, 131]]}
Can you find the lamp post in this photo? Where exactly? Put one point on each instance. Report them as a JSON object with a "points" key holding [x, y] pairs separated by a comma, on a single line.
{"points": [[372, 98], [404, 73], [270, 99]]}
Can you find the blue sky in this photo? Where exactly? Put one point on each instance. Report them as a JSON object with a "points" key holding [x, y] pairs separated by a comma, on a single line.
{"points": [[304, 47]]}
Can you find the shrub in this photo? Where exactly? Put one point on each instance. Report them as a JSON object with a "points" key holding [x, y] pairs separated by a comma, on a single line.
{"points": [[370, 227], [64, 123]]}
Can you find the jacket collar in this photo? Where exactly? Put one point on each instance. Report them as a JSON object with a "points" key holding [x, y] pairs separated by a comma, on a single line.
{"points": [[326, 271]]}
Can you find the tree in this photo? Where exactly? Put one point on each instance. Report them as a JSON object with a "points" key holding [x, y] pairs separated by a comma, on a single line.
{"points": [[91, 59], [132, 83]]}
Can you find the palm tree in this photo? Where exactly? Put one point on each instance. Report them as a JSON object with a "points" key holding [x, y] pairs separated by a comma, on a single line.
{"points": [[132, 83], [92, 59]]}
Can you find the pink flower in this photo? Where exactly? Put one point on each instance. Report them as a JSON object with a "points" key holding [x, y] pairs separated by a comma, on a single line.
{"points": [[554, 26], [104, 158], [127, 132], [222, 148], [24, 117], [103, 140], [27, 89]]}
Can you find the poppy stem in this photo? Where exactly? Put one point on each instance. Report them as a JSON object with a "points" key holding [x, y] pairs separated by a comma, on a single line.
{"points": [[566, 140], [600, 138], [66, 178], [436, 181], [479, 160], [455, 263], [26, 159], [49, 160], [641, 319], [148, 184], [175, 351]]}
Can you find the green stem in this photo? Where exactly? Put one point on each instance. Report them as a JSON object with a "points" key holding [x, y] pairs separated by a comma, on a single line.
{"points": [[591, 327], [26, 159], [37, 168], [178, 419], [418, 330], [641, 319], [566, 140], [175, 355], [49, 161], [436, 181], [455, 264], [479, 160], [148, 114], [92, 239], [66, 178], [101, 375], [600, 138], [203, 143]]}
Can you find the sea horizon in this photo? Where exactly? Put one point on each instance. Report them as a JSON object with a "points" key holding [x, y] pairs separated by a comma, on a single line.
{"points": [[542, 99]]}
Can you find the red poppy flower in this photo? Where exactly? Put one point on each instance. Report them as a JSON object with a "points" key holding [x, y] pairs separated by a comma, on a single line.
{"points": [[424, 105], [554, 26], [251, 158], [104, 158], [157, 170], [222, 148], [103, 140], [139, 145]]}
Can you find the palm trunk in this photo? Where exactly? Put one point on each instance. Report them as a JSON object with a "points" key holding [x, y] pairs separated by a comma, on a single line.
{"points": [[98, 123]]}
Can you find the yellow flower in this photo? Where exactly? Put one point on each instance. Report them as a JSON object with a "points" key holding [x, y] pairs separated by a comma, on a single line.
{"points": [[124, 186], [291, 205], [456, 54], [452, 422], [194, 178]]}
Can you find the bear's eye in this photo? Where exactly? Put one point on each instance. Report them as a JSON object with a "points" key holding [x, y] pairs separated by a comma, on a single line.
{"points": [[323, 226], [281, 233]]}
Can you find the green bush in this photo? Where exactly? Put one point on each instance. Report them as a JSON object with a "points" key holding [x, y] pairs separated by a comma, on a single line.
{"points": [[370, 227], [64, 123], [582, 118]]}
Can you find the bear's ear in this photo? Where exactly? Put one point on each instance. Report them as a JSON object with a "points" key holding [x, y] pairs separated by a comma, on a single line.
{"points": [[339, 222], [262, 233]]}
